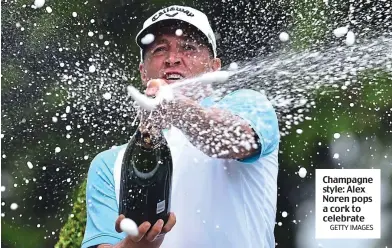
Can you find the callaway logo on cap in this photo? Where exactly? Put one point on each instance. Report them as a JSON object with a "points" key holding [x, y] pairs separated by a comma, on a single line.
{"points": [[186, 14]]}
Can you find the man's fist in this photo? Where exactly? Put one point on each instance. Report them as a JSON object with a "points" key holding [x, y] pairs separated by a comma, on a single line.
{"points": [[153, 86]]}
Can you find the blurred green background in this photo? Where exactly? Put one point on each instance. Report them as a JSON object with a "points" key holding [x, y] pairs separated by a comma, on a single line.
{"points": [[49, 135]]}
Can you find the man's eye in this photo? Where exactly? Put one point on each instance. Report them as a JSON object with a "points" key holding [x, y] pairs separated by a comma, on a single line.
{"points": [[189, 48], [158, 49]]}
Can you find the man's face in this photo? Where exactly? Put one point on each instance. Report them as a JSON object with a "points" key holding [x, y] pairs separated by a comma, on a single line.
{"points": [[171, 57]]}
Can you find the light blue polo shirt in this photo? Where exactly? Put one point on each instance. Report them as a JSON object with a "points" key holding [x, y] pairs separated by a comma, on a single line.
{"points": [[217, 202]]}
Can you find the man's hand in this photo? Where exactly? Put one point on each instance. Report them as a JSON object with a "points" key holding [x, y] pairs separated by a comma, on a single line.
{"points": [[147, 238], [153, 86]]}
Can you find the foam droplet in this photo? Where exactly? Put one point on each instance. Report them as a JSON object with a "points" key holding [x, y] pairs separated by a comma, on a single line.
{"points": [[148, 39], [30, 165], [107, 95], [39, 3], [129, 227], [233, 66], [350, 38], [179, 32], [284, 37], [302, 172], [340, 32], [91, 68], [13, 206]]}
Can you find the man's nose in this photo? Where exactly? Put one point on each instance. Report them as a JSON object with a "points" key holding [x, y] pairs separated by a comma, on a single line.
{"points": [[172, 59]]}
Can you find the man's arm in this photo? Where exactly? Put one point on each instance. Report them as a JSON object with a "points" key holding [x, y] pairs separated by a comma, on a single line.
{"points": [[216, 132], [101, 204], [243, 125]]}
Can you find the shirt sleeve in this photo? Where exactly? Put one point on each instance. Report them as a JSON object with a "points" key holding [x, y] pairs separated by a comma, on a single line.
{"points": [[258, 111], [101, 205]]}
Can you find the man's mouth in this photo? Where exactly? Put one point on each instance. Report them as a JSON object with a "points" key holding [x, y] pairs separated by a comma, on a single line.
{"points": [[173, 76]]}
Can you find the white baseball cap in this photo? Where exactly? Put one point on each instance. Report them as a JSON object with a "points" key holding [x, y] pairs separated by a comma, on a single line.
{"points": [[189, 15]]}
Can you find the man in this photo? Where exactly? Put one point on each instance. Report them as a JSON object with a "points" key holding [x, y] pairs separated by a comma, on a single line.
{"points": [[225, 151]]}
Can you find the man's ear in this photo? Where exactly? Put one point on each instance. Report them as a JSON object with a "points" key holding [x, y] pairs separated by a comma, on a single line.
{"points": [[142, 71], [216, 64]]}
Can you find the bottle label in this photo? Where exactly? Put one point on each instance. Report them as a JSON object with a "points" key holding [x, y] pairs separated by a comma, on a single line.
{"points": [[160, 207]]}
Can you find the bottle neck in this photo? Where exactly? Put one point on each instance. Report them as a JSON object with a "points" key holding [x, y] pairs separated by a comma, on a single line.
{"points": [[150, 140]]}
